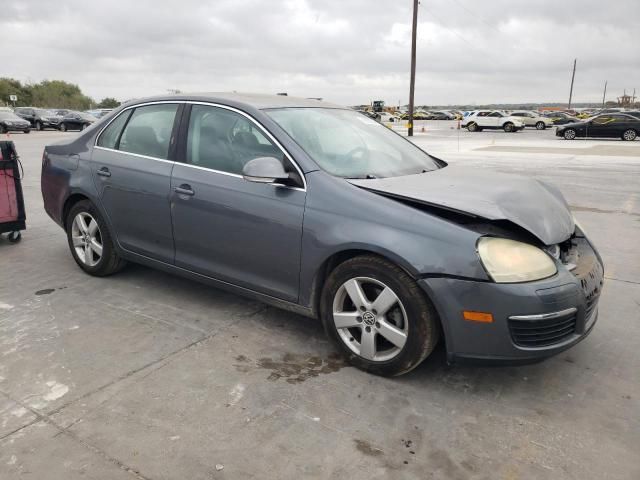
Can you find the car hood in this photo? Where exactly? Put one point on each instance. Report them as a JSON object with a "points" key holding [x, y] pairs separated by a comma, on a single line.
{"points": [[531, 204]]}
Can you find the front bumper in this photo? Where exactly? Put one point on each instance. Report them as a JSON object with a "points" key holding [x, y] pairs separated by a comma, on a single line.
{"points": [[531, 321]]}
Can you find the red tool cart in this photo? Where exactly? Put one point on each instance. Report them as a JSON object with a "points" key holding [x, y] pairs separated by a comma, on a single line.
{"points": [[12, 215]]}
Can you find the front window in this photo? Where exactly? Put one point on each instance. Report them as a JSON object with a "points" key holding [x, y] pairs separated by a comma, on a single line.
{"points": [[347, 144]]}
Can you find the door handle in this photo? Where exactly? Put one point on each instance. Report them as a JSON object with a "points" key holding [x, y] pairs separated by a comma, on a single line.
{"points": [[184, 189], [104, 172]]}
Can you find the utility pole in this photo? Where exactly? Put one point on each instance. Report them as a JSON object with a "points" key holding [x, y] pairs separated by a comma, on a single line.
{"points": [[412, 84], [573, 76], [604, 95]]}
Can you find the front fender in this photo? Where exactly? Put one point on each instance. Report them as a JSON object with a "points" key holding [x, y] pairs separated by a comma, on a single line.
{"points": [[340, 216]]}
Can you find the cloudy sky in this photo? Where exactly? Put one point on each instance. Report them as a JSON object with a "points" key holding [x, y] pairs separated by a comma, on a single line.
{"points": [[347, 51]]}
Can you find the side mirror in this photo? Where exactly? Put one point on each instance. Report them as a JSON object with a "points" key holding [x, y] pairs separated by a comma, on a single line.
{"points": [[264, 170]]}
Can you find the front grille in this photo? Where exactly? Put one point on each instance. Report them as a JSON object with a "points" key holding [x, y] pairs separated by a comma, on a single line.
{"points": [[542, 333]]}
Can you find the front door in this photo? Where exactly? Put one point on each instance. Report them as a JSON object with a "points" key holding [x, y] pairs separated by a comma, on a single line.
{"points": [[131, 167], [226, 227]]}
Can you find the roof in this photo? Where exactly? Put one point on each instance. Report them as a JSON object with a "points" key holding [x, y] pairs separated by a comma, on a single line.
{"points": [[255, 100]]}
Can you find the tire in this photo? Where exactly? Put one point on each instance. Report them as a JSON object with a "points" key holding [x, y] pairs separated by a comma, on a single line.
{"points": [[629, 135], [109, 261], [3, 129], [63, 127], [541, 126], [38, 126], [28, 130], [508, 127], [569, 134], [14, 237], [472, 127], [411, 320]]}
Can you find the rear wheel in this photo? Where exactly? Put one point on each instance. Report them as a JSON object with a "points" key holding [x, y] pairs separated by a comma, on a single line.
{"points": [[629, 135], [378, 316], [569, 134], [90, 241], [508, 127], [540, 126]]}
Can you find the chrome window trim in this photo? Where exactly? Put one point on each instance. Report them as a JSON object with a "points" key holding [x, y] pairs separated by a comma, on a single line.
{"points": [[209, 104], [96, 147]]}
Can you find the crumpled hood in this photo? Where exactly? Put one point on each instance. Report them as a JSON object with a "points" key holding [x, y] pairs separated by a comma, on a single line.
{"points": [[535, 206]]}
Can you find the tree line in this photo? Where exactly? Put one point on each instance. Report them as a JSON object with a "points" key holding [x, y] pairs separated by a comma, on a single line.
{"points": [[50, 94]]}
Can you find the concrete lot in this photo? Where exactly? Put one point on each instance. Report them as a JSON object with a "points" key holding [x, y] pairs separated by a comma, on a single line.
{"points": [[144, 375]]}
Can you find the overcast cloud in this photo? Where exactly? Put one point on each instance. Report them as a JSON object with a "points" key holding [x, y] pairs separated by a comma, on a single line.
{"points": [[348, 51]]}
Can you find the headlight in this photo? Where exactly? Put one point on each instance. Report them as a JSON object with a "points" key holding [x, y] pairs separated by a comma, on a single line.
{"points": [[509, 261]]}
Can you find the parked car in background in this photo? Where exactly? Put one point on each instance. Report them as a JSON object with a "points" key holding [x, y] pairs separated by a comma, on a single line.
{"points": [[371, 114], [10, 122], [76, 121], [532, 119], [442, 115], [493, 120], [387, 117], [611, 125], [312, 207], [417, 115], [39, 118], [62, 111], [99, 112], [560, 118]]}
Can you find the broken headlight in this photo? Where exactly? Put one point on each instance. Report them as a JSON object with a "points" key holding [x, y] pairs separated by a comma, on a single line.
{"points": [[509, 261]]}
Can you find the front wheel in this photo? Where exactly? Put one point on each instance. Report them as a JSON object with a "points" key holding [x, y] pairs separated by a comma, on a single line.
{"points": [[63, 127], [90, 241], [39, 126], [3, 129], [569, 134], [629, 135], [378, 316], [472, 127], [508, 127], [540, 126]]}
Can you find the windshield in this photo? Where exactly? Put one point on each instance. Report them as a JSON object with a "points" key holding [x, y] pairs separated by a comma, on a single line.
{"points": [[348, 144]]}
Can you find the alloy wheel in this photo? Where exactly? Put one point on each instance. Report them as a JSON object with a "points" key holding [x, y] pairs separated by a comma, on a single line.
{"points": [[87, 239], [370, 319], [570, 134], [629, 135]]}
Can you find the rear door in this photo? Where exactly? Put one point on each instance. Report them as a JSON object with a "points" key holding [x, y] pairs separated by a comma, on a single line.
{"points": [[225, 227], [131, 166]]}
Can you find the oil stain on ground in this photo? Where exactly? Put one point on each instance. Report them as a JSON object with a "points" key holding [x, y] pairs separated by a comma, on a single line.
{"points": [[294, 368], [365, 447]]}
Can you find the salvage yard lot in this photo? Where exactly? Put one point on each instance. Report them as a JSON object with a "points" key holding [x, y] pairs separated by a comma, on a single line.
{"points": [[146, 375]]}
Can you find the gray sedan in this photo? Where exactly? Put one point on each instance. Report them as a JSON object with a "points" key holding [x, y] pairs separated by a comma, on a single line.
{"points": [[318, 209]]}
